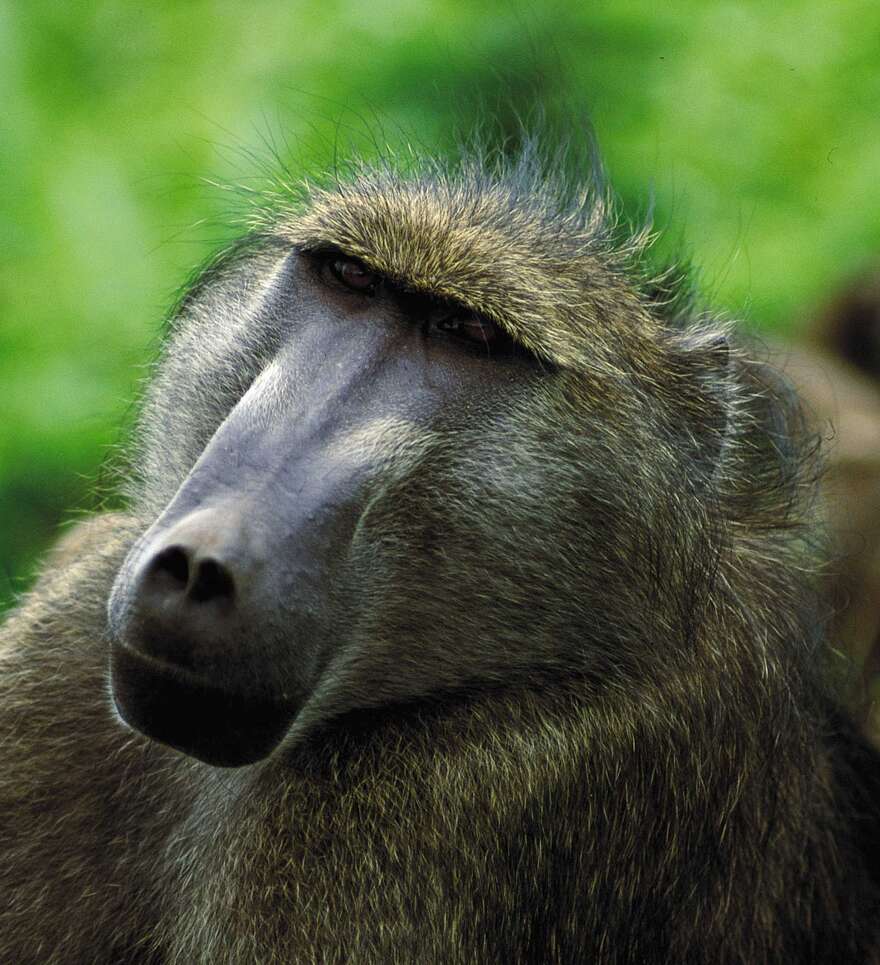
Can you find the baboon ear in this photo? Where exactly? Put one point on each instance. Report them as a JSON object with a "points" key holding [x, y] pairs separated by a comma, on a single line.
{"points": [[706, 393]]}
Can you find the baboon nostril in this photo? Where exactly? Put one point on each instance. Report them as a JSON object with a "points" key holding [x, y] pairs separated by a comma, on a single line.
{"points": [[212, 581], [172, 567]]}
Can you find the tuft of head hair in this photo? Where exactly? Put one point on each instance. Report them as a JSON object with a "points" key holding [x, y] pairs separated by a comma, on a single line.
{"points": [[533, 240]]}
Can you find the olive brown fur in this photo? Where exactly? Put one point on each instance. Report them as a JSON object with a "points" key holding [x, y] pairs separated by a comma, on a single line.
{"points": [[463, 612]]}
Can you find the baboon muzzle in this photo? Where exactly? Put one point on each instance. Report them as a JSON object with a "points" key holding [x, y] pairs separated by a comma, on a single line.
{"points": [[218, 615], [182, 668]]}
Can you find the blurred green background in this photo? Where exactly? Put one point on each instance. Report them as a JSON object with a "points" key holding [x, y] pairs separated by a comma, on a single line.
{"points": [[755, 128]]}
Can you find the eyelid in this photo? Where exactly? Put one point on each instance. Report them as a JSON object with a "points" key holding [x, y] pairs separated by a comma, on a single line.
{"points": [[328, 260]]}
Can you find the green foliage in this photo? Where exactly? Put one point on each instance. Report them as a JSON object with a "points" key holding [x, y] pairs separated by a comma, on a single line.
{"points": [[755, 128]]}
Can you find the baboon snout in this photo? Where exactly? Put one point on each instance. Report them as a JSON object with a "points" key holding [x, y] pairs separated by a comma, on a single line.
{"points": [[185, 655], [192, 589]]}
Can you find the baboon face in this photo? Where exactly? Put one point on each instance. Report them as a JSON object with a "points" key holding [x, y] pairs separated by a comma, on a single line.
{"points": [[382, 460]]}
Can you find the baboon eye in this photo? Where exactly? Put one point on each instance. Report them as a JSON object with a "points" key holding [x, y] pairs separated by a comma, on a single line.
{"points": [[354, 274], [469, 328]]}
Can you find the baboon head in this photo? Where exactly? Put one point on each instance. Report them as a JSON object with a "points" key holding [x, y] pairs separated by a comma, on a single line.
{"points": [[418, 435]]}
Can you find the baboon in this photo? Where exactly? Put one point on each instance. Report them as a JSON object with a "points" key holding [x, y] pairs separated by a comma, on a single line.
{"points": [[848, 327], [836, 374], [464, 612]]}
